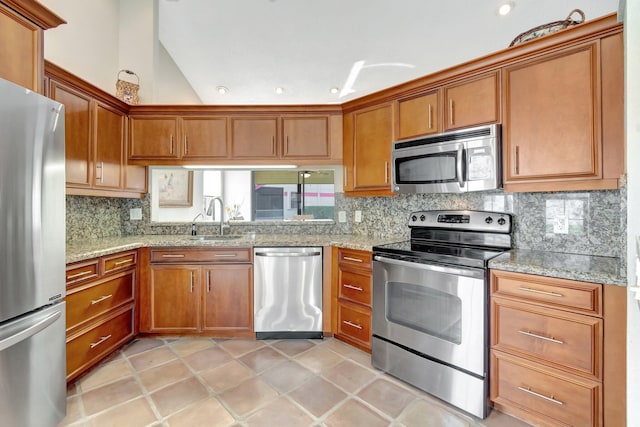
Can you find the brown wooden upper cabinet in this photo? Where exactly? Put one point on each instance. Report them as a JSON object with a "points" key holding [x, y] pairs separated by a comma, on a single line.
{"points": [[368, 136], [554, 121], [21, 30], [254, 137], [204, 137], [153, 137], [305, 137], [418, 115], [472, 102]]}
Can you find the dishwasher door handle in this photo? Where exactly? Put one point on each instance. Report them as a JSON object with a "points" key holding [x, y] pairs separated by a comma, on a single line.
{"points": [[287, 254]]}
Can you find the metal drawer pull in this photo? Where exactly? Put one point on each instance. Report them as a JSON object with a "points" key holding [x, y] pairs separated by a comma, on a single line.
{"points": [[191, 282], [102, 298], [541, 396], [100, 341], [346, 322], [536, 291], [126, 261], [225, 255], [348, 258], [530, 334], [82, 273], [355, 288], [173, 256]]}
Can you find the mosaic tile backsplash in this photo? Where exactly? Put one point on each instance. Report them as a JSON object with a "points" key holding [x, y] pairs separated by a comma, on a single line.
{"points": [[590, 222]]}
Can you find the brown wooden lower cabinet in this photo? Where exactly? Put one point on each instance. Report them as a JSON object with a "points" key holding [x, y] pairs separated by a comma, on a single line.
{"points": [[101, 309], [558, 350], [198, 291]]}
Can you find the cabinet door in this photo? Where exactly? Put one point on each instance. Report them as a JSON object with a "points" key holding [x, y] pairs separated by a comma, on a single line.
{"points": [[418, 116], [552, 126], [254, 137], [153, 138], [472, 102], [204, 137], [228, 298], [174, 295], [78, 137], [373, 138], [109, 146], [20, 50], [306, 137]]}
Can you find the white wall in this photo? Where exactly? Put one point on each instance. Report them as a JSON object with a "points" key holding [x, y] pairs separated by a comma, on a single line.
{"points": [[632, 117], [172, 87]]}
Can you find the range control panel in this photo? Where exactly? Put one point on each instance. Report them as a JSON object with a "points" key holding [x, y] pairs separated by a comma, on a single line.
{"points": [[462, 220]]}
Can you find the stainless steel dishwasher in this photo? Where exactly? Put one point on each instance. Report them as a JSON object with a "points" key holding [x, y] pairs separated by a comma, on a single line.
{"points": [[287, 292]]}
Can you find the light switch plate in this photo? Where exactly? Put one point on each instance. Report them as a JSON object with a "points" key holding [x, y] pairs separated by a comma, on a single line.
{"points": [[135, 214], [358, 216], [342, 216]]}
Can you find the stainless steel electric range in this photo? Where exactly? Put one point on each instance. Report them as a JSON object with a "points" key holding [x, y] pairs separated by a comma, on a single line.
{"points": [[430, 304]]}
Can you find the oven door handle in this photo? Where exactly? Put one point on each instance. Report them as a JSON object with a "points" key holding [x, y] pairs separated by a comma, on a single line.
{"points": [[477, 273]]}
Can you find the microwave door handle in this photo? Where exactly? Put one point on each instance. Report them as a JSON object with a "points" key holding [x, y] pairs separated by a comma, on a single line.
{"points": [[460, 165]]}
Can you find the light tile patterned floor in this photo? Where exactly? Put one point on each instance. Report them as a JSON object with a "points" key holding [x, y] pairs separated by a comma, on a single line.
{"points": [[195, 382]]}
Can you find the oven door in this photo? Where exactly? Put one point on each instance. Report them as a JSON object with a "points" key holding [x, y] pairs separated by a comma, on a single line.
{"points": [[436, 310]]}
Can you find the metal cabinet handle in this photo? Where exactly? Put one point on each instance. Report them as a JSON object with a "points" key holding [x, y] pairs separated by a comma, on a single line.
{"points": [[517, 160], [346, 322], [191, 281], [170, 144], [208, 281], [225, 255], [542, 396], [430, 120], [386, 172], [531, 334], [186, 144], [101, 166], [355, 288], [286, 145], [173, 256], [100, 341], [536, 291], [345, 178], [273, 145], [126, 261], [348, 258], [102, 298], [451, 111], [82, 273]]}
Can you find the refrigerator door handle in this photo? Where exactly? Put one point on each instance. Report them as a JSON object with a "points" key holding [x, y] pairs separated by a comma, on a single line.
{"points": [[14, 338]]}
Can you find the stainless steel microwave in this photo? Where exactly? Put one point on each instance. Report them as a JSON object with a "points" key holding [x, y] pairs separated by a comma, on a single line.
{"points": [[452, 162]]}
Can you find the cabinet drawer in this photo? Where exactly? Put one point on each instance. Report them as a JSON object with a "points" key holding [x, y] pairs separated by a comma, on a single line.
{"points": [[559, 293], [569, 340], [361, 259], [221, 255], [82, 272], [355, 322], [355, 287], [549, 395], [121, 261], [93, 344], [86, 302]]}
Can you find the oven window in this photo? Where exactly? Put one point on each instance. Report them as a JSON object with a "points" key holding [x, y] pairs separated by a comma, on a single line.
{"points": [[440, 167], [426, 310]]}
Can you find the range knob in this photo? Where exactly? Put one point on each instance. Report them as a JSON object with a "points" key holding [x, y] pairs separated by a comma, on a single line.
{"points": [[414, 218], [501, 221], [422, 218], [488, 220]]}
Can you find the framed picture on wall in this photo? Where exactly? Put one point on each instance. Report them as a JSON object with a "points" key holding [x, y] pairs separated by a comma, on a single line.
{"points": [[175, 188]]}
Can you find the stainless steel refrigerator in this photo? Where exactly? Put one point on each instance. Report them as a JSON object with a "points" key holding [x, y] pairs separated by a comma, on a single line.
{"points": [[32, 259]]}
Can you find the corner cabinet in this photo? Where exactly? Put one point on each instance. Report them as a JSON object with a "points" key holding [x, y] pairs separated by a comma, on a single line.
{"points": [[22, 25], [368, 137], [95, 140], [206, 291], [557, 350], [563, 119]]}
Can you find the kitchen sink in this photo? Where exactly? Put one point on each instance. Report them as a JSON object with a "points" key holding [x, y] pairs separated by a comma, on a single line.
{"points": [[229, 237]]}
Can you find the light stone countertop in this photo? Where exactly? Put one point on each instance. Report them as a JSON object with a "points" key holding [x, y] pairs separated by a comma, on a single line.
{"points": [[87, 249], [586, 268]]}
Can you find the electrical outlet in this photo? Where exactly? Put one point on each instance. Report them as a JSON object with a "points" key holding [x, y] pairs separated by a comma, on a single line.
{"points": [[135, 214], [342, 216], [561, 224], [358, 216]]}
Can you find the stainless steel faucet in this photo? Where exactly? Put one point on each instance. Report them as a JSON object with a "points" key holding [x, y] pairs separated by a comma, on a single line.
{"points": [[193, 224], [221, 213]]}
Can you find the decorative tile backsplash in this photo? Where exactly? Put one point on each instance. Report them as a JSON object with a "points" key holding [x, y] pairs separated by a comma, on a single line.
{"points": [[590, 222]]}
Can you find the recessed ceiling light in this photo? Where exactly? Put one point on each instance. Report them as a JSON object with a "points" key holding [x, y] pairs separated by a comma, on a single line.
{"points": [[222, 90], [334, 90], [505, 8], [279, 90]]}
